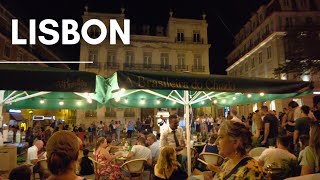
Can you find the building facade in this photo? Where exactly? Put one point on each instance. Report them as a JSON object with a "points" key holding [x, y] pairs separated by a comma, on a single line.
{"points": [[38, 52], [265, 42], [182, 47]]}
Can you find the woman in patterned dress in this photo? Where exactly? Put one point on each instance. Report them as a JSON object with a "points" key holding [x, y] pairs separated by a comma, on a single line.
{"points": [[102, 155], [234, 138]]}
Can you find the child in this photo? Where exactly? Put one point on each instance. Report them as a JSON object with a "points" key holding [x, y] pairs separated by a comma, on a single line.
{"points": [[86, 164]]}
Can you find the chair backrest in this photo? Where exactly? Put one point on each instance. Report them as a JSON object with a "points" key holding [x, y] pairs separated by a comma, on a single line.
{"points": [[96, 164], [212, 158], [256, 152], [134, 166], [193, 152], [43, 167]]}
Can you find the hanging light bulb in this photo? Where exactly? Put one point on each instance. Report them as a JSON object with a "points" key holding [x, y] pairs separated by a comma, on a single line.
{"points": [[158, 101], [142, 101], [215, 101], [61, 103], [249, 95], [234, 98], [126, 100], [261, 94], [41, 101], [79, 103]]}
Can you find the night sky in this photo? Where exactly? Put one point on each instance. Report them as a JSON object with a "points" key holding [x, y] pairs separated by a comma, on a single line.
{"points": [[233, 13]]}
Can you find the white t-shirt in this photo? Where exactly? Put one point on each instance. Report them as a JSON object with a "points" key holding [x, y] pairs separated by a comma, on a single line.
{"points": [[276, 156], [141, 152], [155, 149], [32, 154]]}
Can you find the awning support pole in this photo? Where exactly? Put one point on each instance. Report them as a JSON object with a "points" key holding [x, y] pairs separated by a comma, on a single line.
{"points": [[188, 134]]}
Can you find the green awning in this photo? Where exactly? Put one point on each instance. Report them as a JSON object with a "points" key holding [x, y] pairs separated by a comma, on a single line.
{"points": [[36, 78], [51, 101], [155, 90]]}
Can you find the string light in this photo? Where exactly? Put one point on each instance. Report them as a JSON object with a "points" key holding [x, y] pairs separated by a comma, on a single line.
{"points": [[79, 103], [249, 95], [261, 94], [234, 98]]}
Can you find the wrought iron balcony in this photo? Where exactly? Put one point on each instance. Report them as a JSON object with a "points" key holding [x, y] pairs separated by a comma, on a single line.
{"points": [[189, 40], [93, 65], [111, 65], [110, 114], [198, 68], [129, 114], [181, 68], [91, 113], [152, 67]]}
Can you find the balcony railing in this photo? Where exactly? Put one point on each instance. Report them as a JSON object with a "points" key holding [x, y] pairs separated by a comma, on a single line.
{"points": [[129, 114], [181, 68], [198, 68], [91, 114], [93, 65], [111, 65], [152, 67], [189, 40], [110, 114]]}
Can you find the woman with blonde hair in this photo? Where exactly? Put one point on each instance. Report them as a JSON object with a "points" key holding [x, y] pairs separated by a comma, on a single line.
{"points": [[167, 166], [62, 151], [103, 156], [311, 155], [234, 138]]}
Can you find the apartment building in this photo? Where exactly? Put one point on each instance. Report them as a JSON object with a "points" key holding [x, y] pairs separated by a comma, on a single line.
{"points": [[181, 46], [266, 41]]}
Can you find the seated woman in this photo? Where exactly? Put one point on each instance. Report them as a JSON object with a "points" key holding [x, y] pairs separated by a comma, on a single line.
{"points": [[167, 166], [233, 140], [103, 156], [62, 153], [311, 154], [211, 147]]}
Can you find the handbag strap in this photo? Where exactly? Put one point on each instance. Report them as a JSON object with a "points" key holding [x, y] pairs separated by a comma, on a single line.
{"points": [[235, 169]]}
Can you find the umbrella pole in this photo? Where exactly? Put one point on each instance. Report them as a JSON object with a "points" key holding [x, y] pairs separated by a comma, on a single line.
{"points": [[1, 106], [187, 114]]}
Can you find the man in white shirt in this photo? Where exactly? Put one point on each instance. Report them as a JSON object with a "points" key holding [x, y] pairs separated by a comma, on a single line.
{"points": [[140, 151], [154, 146], [277, 156], [234, 116], [32, 153], [173, 135]]}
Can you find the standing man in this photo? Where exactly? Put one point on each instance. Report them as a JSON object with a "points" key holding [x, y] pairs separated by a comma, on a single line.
{"points": [[130, 128], [173, 136], [270, 127]]}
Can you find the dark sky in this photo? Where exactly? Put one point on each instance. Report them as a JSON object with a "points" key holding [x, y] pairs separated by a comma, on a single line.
{"points": [[234, 13]]}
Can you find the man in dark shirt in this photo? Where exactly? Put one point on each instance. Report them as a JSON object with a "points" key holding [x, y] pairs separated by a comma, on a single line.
{"points": [[270, 127]]}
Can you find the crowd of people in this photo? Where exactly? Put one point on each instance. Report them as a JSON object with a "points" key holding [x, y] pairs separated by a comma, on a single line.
{"points": [[291, 139]]}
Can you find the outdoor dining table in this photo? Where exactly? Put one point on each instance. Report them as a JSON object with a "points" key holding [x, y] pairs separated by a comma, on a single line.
{"points": [[199, 146]]}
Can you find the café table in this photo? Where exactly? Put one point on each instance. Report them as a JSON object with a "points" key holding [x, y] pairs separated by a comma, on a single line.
{"points": [[199, 146]]}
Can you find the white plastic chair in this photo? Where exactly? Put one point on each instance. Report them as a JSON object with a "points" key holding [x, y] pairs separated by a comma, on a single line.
{"points": [[134, 167], [212, 158]]}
